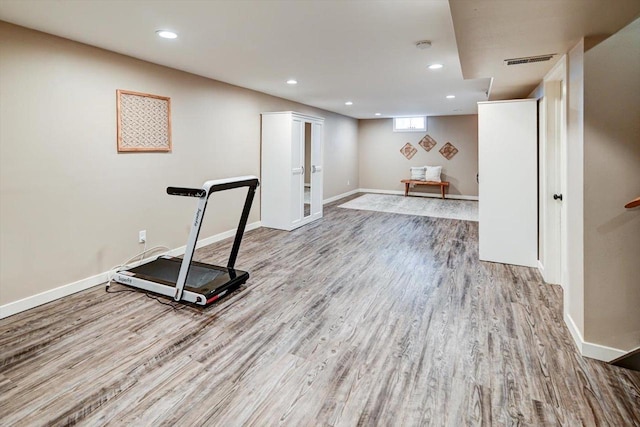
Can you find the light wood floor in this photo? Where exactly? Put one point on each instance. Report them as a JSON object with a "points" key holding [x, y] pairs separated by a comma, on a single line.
{"points": [[362, 318]]}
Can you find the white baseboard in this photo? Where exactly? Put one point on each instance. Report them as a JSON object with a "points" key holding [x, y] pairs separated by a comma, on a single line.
{"points": [[574, 331], [340, 196], [45, 297], [373, 190], [588, 349], [601, 352], [541, 268], [27, 303], [412, 193]]}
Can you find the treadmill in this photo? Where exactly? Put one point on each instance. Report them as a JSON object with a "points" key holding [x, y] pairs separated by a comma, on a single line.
{"points": [[187, 280]]}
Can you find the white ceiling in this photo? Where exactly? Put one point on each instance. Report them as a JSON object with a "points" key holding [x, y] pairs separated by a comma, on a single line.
{"points": [[488, 33], [338, 50]]}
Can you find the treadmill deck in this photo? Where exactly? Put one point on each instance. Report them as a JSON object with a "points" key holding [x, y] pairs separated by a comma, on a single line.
{"points": [[205, 279]]}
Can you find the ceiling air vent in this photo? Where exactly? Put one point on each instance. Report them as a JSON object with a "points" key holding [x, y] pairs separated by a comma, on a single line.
{"points": [[529, 59]]}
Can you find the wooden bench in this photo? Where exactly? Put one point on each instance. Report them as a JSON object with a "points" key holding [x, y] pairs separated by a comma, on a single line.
{"points": [[408, 182]]}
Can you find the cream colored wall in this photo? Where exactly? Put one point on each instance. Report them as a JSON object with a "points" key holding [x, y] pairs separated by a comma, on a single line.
{"points": [[382, 166], [71, 206], [611, 179], [341, 163], [573, 267]]}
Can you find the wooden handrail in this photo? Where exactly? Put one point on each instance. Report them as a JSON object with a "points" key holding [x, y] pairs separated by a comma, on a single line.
{"points": [[634, 203]]}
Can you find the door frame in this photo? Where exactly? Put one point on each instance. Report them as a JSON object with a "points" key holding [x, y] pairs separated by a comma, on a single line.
{"points": [[553, 178]]}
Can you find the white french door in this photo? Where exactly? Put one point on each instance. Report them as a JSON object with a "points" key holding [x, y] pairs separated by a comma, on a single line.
{"points": [[297, 172]]}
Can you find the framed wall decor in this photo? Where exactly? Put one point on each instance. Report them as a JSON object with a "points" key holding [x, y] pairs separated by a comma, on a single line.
{"points": [[448, 151], [144, 122], [427, 143], [408, 151]]}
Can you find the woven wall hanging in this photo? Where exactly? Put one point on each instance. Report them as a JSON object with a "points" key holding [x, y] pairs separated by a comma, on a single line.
{"points": [[408, 151], [144, 122]]}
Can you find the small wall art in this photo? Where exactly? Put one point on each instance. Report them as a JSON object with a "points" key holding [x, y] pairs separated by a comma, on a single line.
{"points": [[427, 143], [408, 151], [144, 122], [448, 151]]}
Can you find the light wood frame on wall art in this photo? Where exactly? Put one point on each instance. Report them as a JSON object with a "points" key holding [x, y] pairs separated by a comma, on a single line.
{"points": [[145, 127]]}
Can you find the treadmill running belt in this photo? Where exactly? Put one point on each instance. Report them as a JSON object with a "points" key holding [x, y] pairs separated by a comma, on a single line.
{"points": [[167, 270], [200, 276]]}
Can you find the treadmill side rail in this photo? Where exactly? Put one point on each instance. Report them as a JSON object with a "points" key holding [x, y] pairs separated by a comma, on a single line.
{"points": [[158, 288], [191, 247]]}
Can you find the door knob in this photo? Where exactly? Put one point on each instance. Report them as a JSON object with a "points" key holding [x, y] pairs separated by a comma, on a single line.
{"points": [[313, 169], [557, 197]]}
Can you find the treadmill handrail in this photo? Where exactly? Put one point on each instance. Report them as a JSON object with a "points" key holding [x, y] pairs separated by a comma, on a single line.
{"points": [[228, 183], [213, 186]]}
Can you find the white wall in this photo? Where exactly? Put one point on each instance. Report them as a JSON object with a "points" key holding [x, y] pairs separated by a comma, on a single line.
{"points": [[72, 206], [601, 292], [611, 179], [573, 269]]}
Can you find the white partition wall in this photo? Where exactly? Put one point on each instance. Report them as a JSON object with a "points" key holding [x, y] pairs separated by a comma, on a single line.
{"points": [[316, 170], [508, 177]]}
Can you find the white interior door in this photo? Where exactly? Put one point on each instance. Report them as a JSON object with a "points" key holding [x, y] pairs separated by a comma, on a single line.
{"points": [[297, 171], [507, 155], [316, 170]]}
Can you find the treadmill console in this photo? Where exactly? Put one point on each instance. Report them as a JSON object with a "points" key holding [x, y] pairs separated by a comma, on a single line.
{"points": [[188, 192]]}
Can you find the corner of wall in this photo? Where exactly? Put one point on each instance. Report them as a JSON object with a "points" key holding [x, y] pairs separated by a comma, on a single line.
{"points": [[588, 349], [573, 268]]}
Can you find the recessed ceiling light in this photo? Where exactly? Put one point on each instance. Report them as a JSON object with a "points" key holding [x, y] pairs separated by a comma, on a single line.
{"points": [[450, 96], [292, 82], [377, 114], [165, 34], [435, 66], [348, 103]]}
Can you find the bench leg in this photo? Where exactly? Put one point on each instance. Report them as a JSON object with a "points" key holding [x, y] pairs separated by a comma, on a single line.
{"points": [[442, 190], [406, 189]]}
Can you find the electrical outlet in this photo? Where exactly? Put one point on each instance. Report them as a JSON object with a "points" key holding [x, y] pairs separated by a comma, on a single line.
{"points": [[142, 236]]}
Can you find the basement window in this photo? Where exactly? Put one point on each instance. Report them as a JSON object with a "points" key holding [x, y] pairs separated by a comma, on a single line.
{"points": [[410, 124]]}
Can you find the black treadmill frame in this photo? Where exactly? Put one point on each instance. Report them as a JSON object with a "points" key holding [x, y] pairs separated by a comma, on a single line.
{"points": [[215, 289]]}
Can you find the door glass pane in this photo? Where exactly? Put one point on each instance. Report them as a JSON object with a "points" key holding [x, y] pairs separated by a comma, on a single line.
{"points": [[307, 169]]}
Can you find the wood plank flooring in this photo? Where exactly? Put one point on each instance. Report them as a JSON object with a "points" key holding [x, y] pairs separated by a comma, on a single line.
{"points": [[362, 318]]}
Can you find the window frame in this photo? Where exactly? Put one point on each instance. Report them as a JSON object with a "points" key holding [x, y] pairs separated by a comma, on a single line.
{"points": [[421, 129]]}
